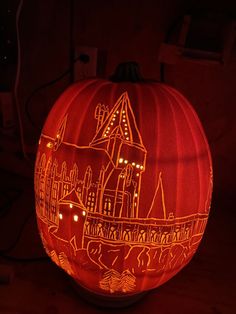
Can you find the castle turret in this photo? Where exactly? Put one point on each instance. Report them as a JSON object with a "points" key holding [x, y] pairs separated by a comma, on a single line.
{"points": [[119, 132], [120, 138], [72, 216]]}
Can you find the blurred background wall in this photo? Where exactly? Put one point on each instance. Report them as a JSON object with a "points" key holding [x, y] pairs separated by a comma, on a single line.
{"points": [[50, 31]]}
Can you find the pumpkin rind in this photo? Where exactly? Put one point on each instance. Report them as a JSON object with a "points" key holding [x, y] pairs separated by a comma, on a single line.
{"points": [[123, 183]]}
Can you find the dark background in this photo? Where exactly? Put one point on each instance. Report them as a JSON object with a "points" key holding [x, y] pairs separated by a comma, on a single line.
{"points": [[30, 67]]}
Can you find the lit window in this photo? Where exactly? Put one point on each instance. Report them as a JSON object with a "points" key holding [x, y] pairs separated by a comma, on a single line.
{"points": [[107, 206], [91, 201], [71, 205], [60, 216], [49, 145], [76, 218], [83, 213], [121, 160]]}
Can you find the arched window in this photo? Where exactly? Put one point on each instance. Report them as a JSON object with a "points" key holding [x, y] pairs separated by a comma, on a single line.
{"points": [[107, 206], [65, 189], [142, 236], [127, 235], [91, 201]]}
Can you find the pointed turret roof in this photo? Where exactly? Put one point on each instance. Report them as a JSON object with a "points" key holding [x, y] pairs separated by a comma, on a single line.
{"points": [[73, 198], [158, 202], [120, 123]]}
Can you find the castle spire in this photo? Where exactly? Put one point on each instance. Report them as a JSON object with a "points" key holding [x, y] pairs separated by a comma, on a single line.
{"points": [[100, 114], [121, 123], [158, 199], [60, 133]]}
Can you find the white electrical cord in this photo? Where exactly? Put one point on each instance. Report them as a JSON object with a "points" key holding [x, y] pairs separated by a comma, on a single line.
{"points": [[17, 79]]}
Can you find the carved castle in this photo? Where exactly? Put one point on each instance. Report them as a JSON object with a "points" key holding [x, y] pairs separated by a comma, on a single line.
{"points": [[111, 188], [103, 183]]}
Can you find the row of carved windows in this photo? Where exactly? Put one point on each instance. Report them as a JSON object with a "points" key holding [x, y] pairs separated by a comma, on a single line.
{"points": [[143, 235], [57, 194]]}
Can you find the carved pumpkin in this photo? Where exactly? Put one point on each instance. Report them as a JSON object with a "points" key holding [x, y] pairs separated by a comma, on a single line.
{"points": [[123, 183]]}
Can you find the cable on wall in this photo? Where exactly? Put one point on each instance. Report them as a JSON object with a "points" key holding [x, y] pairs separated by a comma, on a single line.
{"points": [[45, 85], [17, 79]]}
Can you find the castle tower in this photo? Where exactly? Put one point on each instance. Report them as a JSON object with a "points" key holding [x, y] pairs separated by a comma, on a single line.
{"points": [[72, 216], [74, 175], [158, 207], [119, 131], [120, 138], [87, 184], [99, 202], [48, 187], [54, 192], [40, 184], [100, 115]]}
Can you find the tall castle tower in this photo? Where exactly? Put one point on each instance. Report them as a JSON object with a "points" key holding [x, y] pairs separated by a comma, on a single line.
{"points": [[119, 136]]}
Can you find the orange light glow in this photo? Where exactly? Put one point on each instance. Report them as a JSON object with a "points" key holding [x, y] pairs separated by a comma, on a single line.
{"points": [[49, 145], [76, 218], [123, 194]]}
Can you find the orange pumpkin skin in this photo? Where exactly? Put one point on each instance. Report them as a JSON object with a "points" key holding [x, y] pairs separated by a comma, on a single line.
{"points": [[123, 183]]}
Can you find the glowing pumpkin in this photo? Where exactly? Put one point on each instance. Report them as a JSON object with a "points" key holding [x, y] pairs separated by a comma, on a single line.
{"points": [[123, 183]]}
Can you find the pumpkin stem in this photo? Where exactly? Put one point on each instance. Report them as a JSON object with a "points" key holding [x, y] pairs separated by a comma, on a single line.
{"points": [[127, 72]]}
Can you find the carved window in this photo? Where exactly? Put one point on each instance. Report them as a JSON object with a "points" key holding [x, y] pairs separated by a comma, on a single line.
{"points": [[54, 192], [41, 192], [91, 201], [107, 206], [66, 189]]}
